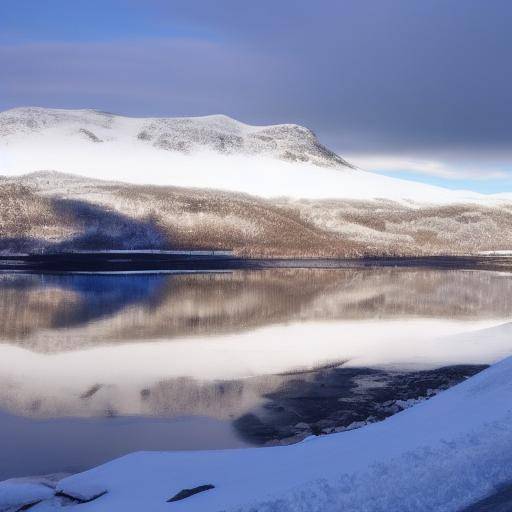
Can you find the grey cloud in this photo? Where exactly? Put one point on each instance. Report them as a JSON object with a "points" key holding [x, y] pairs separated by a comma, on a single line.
{"points": [[398, 76]]}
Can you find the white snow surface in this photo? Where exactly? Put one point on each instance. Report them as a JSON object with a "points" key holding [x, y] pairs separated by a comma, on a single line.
{"points": [[214, 152], [17, 492], [441, 454]]}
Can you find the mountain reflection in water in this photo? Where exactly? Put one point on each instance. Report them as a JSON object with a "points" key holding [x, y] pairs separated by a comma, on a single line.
{"points": [[67, 312], [226, 345]]}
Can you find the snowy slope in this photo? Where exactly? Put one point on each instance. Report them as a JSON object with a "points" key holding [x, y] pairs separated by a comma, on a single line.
{"points": [[209, 152], [440, 455]]}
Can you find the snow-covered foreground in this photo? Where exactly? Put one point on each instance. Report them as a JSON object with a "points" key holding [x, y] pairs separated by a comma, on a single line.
{"points": [[439, 455]]}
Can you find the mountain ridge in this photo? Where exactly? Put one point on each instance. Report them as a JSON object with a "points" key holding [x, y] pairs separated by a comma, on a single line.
{"points": [[218, 133]]}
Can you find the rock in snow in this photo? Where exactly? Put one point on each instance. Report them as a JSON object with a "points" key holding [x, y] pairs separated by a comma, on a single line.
{"points": [[82, 493], [186, 493], [442, 455]]}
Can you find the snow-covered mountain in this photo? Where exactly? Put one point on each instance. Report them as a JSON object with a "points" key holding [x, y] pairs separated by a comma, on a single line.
{"points": [[217, 133], [214, 152], [209, 152], [87, 179]]}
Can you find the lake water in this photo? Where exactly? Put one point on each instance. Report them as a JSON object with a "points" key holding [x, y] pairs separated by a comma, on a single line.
{"points": [[95, 366]]}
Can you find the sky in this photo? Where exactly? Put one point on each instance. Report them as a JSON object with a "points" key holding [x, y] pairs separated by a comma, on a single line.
{"points": [[420, 89]]}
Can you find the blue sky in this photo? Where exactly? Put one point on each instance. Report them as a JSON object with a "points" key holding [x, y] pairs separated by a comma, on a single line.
{"points": [[415, 88]]}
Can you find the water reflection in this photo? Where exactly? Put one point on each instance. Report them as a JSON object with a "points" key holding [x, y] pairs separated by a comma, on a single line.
{"points": [[66, 312], [31, 303], [219, 345]]}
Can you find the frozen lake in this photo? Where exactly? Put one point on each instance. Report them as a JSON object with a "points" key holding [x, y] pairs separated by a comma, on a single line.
{"points": [[95, 366]]}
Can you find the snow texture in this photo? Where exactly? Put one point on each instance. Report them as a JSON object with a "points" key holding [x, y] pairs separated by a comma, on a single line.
{"points": [[16, 493]]}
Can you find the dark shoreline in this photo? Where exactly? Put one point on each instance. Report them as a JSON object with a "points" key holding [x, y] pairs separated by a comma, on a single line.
{"points": [[336, 399], [144, 261]]}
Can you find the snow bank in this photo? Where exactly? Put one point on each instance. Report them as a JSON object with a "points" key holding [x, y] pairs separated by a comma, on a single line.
{"points": [[440, 455], [17, 493]]}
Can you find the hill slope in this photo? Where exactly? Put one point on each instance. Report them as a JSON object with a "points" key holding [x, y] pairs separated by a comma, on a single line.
{"points": [[215, 183], [58, 212]]}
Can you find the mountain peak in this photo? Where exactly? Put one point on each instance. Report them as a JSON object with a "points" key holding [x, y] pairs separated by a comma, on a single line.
{"points": [[218, 133]]}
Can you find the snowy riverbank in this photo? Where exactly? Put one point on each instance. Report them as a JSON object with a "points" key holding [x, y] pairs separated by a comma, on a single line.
{"points": [[440, 455]]}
